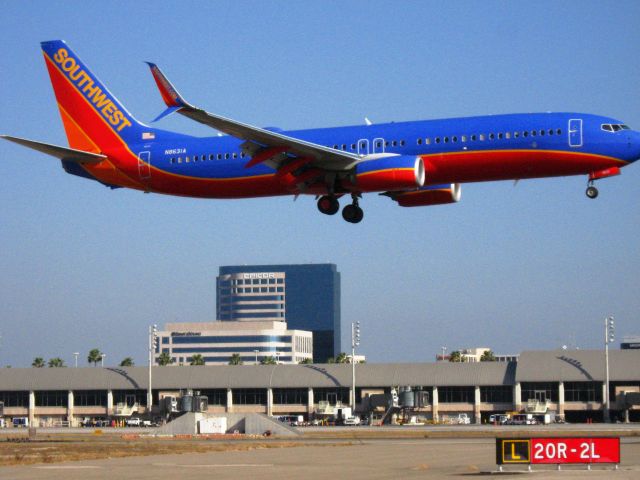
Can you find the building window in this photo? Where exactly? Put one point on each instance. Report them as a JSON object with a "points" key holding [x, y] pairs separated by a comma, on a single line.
{"points": [[52, 398], [217, 396], [249, 396], [456, 394], [90, 398], [582, 391], [496, 394], [541, 391], [290, 396], [15, 399], [331, 395]]}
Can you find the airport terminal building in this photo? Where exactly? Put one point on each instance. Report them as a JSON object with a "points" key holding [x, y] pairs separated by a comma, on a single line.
{"points": [[571, 383]]}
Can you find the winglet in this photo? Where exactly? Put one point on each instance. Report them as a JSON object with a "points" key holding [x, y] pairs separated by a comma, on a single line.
{"points": [[169, 94]]}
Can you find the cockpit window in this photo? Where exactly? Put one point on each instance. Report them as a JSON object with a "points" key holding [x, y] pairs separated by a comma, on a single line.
{"points": [[614, 127]]}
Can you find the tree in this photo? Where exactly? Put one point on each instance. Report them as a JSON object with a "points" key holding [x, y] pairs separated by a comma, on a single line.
{"points": [[127, 362], [268, 361], [94, 357], [487, 356], [456, 356], [342, 358], [306, 361], [235, 359], [164, 359], [56, 363], [38, 362], [197, 359]]}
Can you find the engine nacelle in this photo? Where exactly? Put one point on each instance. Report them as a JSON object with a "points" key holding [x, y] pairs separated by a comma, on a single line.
{"points": [[389, 173], [430, 195]]}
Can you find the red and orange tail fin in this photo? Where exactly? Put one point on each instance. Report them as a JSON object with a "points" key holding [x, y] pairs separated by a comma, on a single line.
{"points": [[94, 120]]}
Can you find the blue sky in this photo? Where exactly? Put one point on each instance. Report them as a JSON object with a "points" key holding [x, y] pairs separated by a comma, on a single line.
{"points": [[531, 266]]}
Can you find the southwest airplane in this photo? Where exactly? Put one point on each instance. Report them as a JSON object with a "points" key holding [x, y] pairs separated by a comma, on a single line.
{"points": [[414, 163]]}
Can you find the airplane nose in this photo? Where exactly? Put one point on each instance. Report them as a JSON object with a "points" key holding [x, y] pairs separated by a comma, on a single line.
{"points": [[634, 145]]}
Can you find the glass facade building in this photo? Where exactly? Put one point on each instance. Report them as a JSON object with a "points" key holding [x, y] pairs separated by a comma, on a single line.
{"points": [[305, 296]]}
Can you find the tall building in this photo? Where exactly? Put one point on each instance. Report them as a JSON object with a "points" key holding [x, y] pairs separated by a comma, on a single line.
{"points": [[306, 297]]}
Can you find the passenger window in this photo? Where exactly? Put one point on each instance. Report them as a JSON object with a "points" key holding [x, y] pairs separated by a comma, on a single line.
{"points": [[437, 139], [482, 137], [507, 135], [491, 136], [179, 159], [186, 159], [226, 156], [559, 131], [533, 133], [473, 138], [525, 134], [516, 134], [394, 143], [550, 131], [542, 133], [402, 143], [419, 141], [464, 138], [454, 139], [428, 141], [446, 139]]}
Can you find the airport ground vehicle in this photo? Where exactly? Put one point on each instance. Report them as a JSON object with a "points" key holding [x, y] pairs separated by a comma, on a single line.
{"points": [[355, 420]]}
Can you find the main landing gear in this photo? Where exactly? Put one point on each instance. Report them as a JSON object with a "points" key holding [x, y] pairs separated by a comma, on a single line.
{"points": [[329, 205]]}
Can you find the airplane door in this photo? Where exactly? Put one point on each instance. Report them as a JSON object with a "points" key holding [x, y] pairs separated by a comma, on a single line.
{"points": [[144, 165], [363, 146], [378, 145], [575, 132]]}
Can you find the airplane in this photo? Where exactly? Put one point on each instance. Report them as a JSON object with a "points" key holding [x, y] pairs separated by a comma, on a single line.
{"points": [[415, 163]]}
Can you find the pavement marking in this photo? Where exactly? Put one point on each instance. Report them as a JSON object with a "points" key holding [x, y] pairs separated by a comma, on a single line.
{"points": [[213, 465], [68, 467]]}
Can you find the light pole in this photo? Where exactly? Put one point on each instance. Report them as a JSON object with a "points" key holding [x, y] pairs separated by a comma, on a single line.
{"points": [[75, 354], [256, 352], [277, 357], [102, 355], [153, 342], [609, 336], [444, 349], [355, 342]]}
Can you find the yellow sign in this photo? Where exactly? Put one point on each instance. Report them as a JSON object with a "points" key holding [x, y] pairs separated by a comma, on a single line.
{"points": [[512, 451]]}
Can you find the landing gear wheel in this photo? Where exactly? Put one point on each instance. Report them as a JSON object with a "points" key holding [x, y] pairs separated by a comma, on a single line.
{"points": [[592, 192], [328, 205], [352, 213]]}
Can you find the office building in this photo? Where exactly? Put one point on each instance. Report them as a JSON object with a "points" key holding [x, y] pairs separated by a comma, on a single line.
{"points": [[306, 297], [218, 341]]}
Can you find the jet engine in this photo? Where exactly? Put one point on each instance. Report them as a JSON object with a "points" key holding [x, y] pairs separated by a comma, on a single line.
{"points": [[389, 173]]}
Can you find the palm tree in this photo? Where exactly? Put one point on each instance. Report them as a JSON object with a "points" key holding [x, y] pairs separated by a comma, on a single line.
{"points": [[94, 357], [235, 359], [268, 361], [487, 356], [127, 362], [38, 362], [306, 361], [164, 359], [56, 363], [197, 359], [456, 356]]}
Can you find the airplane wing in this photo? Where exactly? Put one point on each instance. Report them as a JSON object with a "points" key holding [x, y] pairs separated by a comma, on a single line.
{"points": [[63, 153], [272, 148]]}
